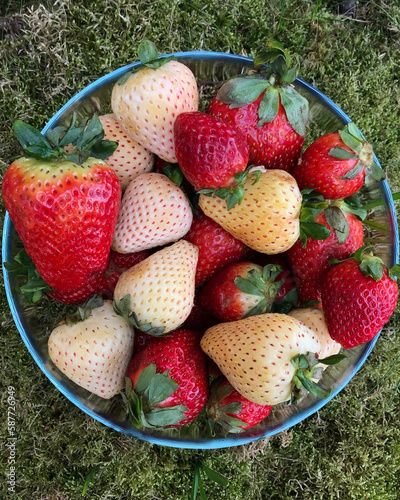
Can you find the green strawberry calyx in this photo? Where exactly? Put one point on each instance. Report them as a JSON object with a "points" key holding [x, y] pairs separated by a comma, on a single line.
{"points": [[218, 414], [263, 285], [34, 287], [312, 205], [370, 264], [273, 77], [85, 311], [149, 57], [361, 150], [123, 308], [288, 302], [143, 401], [233, 195], [335, 212], [85, 138], [306, 366]]}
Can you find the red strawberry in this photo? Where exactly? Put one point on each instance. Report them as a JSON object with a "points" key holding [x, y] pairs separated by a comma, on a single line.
{"points": [[217, 248], [266, 109], [359, 296], [170, 380], [274, 145], [199, 319], [231, 410], [240, 290], [335, 164], [123, 261], [309, 263], [142, 340], [64, 206], [210, 152], [98, 284]]}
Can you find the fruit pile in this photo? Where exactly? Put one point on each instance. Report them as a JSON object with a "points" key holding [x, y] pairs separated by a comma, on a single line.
{"points": [[215, 263]]}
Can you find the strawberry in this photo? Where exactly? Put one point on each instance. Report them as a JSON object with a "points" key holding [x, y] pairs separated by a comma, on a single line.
{"points": [[231, 410], [158, 293], [309, 263], [154, 211], [267, 220], [217, 248], [199, 319], [263, 356], [64, 205], [168, 382], [130, 159], [359, 296], [142, 340], [240, 290], [267, 110], [210, 152], [314, 319], [148, 100], [123, 261], [335, 164], [100, 284], [94, 352]]}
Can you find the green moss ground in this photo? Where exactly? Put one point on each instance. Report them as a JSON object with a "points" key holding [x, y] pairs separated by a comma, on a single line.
{"points": [[351, 448]]}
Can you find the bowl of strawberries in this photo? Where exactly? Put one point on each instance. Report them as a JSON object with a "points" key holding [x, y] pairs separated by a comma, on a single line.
{"points": [[211, 241]]}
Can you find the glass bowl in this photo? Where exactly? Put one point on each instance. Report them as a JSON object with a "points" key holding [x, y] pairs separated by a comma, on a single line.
{"points": [[210, 69]]}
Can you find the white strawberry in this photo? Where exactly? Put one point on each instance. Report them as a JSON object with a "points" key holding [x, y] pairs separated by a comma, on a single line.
{"points": [[130, 159], [95, 352], [267, 219], [154, 211], [255, 354], [158, 292], [314, 319], [147, 101]]}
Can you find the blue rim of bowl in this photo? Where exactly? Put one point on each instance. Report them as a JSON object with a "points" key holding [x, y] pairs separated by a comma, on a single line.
{"points": [[189, 443]]}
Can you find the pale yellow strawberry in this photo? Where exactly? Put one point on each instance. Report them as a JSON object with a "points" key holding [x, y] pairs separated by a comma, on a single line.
{"points": [[94, 353], [314, 319], [149, 101], [161, 287], [254, 354], [267, 220], [154, 211], [130, 159]]}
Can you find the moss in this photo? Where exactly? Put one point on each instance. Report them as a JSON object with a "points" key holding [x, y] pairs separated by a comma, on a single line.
{"points": [[350, 448]]}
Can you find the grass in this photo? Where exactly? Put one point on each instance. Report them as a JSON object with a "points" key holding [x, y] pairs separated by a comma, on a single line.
{"points": [[348, 450]]}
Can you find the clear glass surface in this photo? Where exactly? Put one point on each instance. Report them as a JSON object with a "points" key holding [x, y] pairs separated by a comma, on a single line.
{"points": [[210, 69]]}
